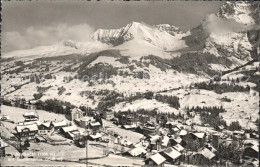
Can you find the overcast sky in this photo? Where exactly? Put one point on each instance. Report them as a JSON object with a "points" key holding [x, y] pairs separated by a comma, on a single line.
{"points": [[29, 24]]}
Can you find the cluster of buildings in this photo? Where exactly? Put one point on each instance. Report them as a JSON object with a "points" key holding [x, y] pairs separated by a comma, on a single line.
{"points": [[177, 143], [34, 130]]}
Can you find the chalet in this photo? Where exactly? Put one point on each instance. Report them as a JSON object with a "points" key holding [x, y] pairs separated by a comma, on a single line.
{"points": [[200, 136], [30, 116], [95, 126], [25, 132], [95, 137], [84, 121], [203, 157], [136, 152], [166, 142], [45, 128], [76, 113], [155, 160], [154, 142], [70, 132], [163, 120], [40, 139], [175, 141], [178, 147], [171, 155], [183, 133], [149, 128], [3, 145], [251, 152], [125, 119], [130, 127], [58, 125]]}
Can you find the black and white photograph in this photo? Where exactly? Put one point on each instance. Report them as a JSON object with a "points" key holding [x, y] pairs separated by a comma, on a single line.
{"points": [[129, 83]]}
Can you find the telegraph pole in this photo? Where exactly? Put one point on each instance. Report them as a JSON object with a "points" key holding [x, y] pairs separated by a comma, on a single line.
{"points": [[86, 145]]}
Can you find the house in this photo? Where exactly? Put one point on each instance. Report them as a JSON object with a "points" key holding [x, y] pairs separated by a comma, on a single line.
{"points": [[203, 157], [58, 125], [31, 116], [84, 121], [166, 142], [136, 152], [3, 145], [125, 119], [149, 128], [183, 133], [155, 160], [45, 128], [178, 140], [219, 128], [200, 136], [95, 126], [129, 127], [25, 132], [154, 142], [171, 155], [70, 132], [178, 147], [251, 152], [40, 139], [76, 113], [95, 137]]}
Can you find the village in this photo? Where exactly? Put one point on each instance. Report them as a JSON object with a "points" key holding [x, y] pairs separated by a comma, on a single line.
{"points": [[139, 138]]}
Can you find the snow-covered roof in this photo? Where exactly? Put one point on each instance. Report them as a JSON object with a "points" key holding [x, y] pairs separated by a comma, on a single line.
{"points": [[59, 124], [172, 153], [87, 119], [178, 140], [30, 113], [95, 124], [183, 133], [31, 127], [157, 158], [69, 128], [175, 129], [129, 126], [137, 151], [207, 153], [46, 124], [199, 135], [165, 141], [178, 147], [239, 132], [255, 147], [96, 136]]}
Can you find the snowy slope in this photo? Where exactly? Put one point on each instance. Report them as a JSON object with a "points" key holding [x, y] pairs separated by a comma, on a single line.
{"points": [[63, 48]]}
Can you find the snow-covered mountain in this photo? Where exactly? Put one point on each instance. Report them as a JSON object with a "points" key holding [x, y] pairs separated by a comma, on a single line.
{"points": [[242, 12], [228, 33], [161, 36]]}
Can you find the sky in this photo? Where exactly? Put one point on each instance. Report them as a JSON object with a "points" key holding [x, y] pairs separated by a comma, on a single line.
{"points": [[28, 24]]}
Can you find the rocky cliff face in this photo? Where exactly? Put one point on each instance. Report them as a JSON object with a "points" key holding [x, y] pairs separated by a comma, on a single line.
{"points": [[232, 32]]}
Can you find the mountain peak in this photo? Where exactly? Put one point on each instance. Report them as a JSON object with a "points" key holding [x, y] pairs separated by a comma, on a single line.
{"points": [[244, 12]]}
